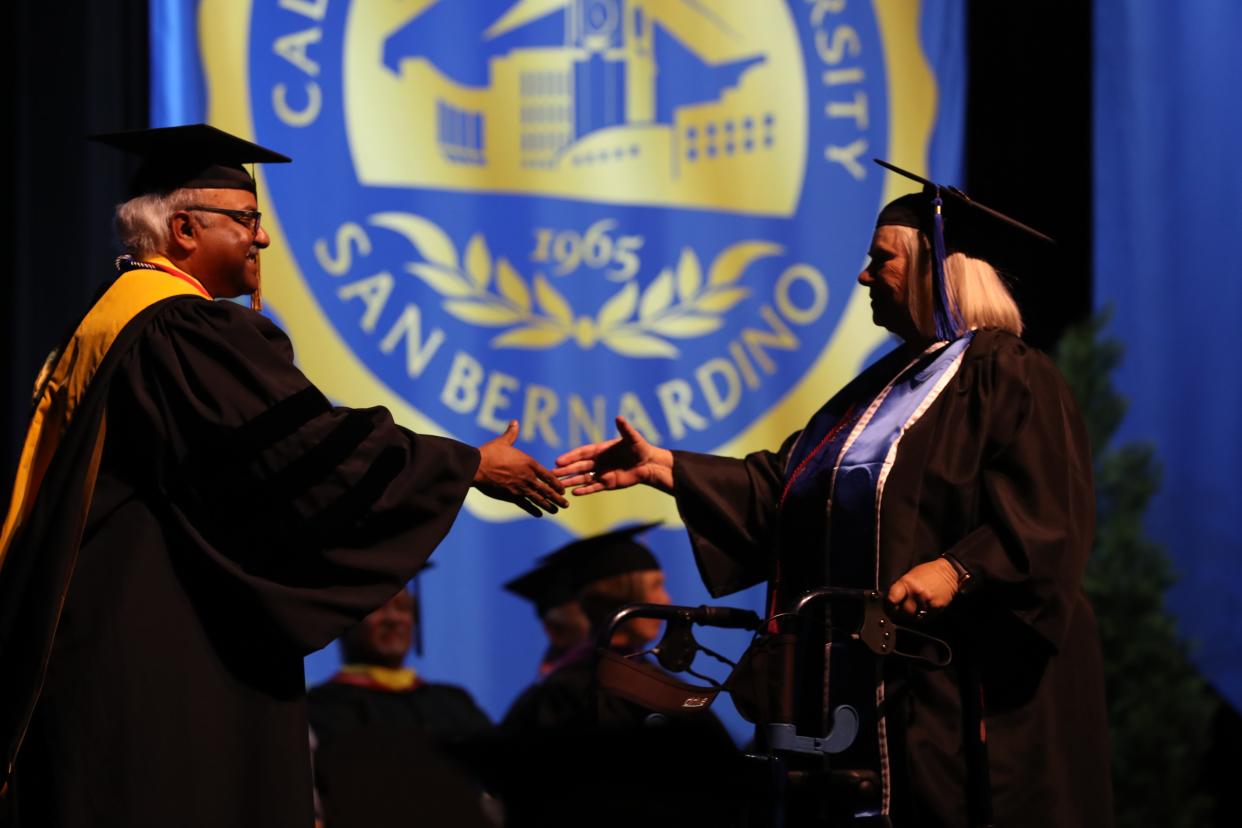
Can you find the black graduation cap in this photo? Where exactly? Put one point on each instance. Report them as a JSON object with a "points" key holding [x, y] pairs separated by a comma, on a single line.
{"points": [[563, 573], [975, 222], [194, 156], [547, 587], [956, 223]]}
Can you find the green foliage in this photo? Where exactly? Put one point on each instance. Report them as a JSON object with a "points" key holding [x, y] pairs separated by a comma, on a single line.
{"points": [[1160, 710]]}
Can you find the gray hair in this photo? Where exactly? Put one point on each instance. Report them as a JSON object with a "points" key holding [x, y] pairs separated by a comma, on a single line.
{"points": [[142, 222], [974, 286]]}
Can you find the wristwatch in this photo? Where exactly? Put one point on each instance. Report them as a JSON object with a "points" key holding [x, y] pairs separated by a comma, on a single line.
{"points": [[965, 581]]}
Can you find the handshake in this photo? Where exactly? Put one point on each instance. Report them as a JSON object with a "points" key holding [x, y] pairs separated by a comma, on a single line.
{"points": [[510, 474]]}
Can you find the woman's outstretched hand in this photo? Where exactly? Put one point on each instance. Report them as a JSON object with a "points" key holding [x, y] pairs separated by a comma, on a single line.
{"points": [[616, 464]]}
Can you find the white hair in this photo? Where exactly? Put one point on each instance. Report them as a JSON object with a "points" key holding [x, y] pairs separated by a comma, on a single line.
{"points": [[974, 287], [142, 222]]}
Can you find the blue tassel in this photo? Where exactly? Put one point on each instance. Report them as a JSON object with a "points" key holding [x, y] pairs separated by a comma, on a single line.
{"points": [[948, 320]]}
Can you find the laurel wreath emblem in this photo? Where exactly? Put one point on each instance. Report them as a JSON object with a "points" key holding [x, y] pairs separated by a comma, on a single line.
{"points": [[476, 288]]}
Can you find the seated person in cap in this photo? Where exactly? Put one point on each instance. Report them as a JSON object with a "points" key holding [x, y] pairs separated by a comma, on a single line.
{"points": [[954, 477], [377, 711], [374, 687], [614, 570], [572, 754], [191, 516]]}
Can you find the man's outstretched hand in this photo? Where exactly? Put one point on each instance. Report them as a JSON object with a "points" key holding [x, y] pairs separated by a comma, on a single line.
{"points": [[510, 474], [616, 464]]}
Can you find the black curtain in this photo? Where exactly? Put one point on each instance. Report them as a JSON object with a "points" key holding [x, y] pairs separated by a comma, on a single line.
{"points": [[1028, 143], [74, 68]]}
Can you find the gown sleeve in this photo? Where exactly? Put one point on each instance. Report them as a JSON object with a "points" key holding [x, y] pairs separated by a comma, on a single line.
{"points": [[300, 513], [1037, 503], [729, 508]]}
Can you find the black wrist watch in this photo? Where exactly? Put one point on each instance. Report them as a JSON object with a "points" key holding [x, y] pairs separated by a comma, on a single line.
{"points": [[965, 581]]}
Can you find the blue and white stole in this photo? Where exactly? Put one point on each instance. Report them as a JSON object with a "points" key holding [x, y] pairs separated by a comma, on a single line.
{"points": [[843, 457], [831, 504]]}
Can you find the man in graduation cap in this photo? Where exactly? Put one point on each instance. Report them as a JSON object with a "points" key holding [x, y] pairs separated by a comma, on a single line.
{"points": [[191, 517], [375, 687], [954, 477], [580, 755], [383, 732]]}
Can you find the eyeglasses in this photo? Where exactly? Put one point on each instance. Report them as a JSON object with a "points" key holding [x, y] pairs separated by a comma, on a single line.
{"points": [[247, 218]]}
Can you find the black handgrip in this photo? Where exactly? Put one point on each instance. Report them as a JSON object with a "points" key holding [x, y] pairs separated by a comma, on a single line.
{"points": [[726, 617], [702, 615]]}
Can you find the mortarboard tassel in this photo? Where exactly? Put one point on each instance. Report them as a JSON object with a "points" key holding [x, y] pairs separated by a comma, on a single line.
{"points": [[948, 321], [256, 298]]}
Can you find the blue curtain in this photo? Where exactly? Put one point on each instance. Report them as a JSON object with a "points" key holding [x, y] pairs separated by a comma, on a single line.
{"points": [[177, 95], [1168, 115]]}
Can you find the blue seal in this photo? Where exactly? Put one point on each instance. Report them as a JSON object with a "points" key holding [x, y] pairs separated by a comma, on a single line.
{"points": [[561, 212]]}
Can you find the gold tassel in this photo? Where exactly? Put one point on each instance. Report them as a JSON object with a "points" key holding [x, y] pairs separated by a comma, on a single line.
{"points": [[256, 298]]}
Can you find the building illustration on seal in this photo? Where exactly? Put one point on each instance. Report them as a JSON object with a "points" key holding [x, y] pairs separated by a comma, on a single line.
{"points": [[668, 103]]}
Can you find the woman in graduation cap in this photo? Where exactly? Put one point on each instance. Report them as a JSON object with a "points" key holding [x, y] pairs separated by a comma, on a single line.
{"points": [[954, 477]]}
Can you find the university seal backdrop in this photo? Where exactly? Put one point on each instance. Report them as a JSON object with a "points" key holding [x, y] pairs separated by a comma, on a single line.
{"points": [[558, 211]]}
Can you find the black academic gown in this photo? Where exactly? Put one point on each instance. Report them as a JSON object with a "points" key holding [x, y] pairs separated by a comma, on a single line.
{"points": [[239, 522], [570, 756], [996, 472], [382, 755], [566, 698], [442, 712]]}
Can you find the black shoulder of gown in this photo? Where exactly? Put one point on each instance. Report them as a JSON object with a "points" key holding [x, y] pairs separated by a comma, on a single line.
{"points": [[308, 513]]}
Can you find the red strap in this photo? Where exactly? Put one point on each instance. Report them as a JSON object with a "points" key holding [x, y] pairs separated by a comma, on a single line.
{"points": [[832, 432], [189, 280], [775, 585]]}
